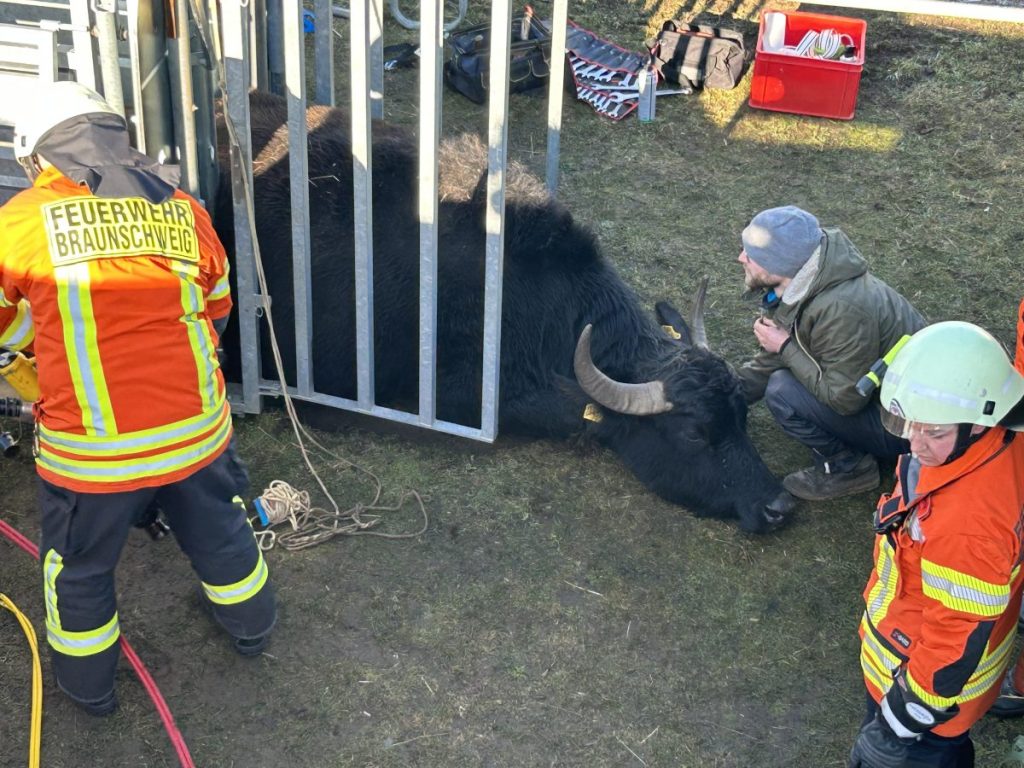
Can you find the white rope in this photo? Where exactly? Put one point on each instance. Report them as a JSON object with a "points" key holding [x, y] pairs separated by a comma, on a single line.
{"points": [[310, 525], [281, 503]]}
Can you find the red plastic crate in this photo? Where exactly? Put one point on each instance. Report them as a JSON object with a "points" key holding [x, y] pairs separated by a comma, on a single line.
{"points": [[803, 85]]}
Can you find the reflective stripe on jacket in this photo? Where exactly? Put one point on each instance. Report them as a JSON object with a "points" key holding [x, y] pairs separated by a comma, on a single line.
{"points": [[1018, 361], [945, 592], [123, 295]]}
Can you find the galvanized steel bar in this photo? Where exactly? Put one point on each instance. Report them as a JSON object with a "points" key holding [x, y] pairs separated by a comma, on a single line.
{"points": [[273, 389], [184, 111], [152, 119], [84, 61], [556, 91], [258, 42], [323, 50], [204, 86], [298, 172], [376, 38], [110, 65], [362, 194], [497, 147], [431, 45], [275, 48], [235, 36]]}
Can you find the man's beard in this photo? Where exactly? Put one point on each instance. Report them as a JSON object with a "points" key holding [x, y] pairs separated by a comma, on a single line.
{"points": [[755, 283]]}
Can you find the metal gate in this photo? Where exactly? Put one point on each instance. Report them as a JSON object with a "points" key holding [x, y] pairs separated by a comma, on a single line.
{"points": [[163, 70]]}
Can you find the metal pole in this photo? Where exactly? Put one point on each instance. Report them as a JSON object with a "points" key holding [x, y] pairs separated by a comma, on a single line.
{"points": [[323, 52], [258, 31], [560, 15], [362, 194], [298, 173], [236, 110], [110, 66], [184, 114], [431, 44], [376, 38], [84, 63], [275, 48], [497, 160], [150, 79]]}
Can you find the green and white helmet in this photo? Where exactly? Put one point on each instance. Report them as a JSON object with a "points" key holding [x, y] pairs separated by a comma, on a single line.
{"points": [[52, 104], [949, 373]]}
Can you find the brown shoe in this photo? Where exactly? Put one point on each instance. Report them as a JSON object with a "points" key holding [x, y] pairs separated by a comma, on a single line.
{"points": [[817, 484]]}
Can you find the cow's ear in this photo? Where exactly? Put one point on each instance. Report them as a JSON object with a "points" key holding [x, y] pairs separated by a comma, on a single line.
{"points": [[673, 323]]}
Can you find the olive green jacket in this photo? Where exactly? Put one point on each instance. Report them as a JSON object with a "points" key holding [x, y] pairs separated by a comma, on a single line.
{"points": [[841, 319]]}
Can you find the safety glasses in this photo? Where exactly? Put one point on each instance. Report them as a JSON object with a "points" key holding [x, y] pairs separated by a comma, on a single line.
{"points": [[901, 427]]}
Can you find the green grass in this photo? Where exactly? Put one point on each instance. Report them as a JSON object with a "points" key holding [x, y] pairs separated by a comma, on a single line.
{"points": [[555, 613]]}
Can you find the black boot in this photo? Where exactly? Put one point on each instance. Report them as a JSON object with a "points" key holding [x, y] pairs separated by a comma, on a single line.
{"points": [[840, 475], [1010, 702]]}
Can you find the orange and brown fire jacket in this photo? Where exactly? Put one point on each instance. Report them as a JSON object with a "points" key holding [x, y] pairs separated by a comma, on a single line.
{"points": [[943, 599], [117, 298]]}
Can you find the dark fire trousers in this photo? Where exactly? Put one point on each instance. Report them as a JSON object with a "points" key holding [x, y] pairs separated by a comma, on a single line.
{"points": [[842, 439], [82, 538]]}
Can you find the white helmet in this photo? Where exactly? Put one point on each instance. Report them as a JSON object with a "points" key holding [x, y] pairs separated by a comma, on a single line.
{"points": [[52, 105], [949, 373]]}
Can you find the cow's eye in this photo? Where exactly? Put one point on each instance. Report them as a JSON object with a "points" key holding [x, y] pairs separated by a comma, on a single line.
{"points": [[690, 433]]}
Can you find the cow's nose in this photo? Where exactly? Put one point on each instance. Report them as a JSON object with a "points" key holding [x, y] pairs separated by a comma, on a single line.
{"points": [[779, 507]]}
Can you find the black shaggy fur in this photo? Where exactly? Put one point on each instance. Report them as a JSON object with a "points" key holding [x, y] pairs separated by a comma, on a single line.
{"points": [[555, 282]]}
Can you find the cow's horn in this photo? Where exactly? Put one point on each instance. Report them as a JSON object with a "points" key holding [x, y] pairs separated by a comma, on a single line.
{"points": [[632, 399], [700, 335]]}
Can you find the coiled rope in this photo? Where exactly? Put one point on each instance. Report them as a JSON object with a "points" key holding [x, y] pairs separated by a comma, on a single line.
{"points": [[281, 503], [310, 525], [36, 727]]}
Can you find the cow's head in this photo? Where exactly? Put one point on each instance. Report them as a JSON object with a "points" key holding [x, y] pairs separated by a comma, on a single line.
{"points": [[682, 430]]}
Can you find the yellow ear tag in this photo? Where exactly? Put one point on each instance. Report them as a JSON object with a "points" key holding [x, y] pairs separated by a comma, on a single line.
{"points": [[592, 413], [671, 331]]}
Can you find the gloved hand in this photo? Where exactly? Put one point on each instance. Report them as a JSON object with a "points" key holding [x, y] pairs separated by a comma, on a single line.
{"points": [[878, 747], [907, 715]]}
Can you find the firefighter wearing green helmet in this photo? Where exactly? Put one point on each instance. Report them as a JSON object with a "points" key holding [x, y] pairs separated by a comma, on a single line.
{"points": [[942, 601]]}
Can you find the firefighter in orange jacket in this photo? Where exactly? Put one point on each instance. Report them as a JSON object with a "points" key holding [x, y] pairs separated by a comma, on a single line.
{"points": [[1011, 696], [943, 598], [120, 283]]}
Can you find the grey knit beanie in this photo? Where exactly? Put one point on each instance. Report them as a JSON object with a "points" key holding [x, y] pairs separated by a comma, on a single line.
{"points": [[781, 240]]}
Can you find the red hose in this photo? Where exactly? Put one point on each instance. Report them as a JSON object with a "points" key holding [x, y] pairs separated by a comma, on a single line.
{"points": [[140, 669]]}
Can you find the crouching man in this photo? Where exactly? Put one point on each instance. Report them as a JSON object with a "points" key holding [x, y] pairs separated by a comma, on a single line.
{"points": [[826, 320]]}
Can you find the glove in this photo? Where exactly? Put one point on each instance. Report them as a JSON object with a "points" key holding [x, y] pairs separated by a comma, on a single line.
{"points": [[878, 747], [907, 715]]}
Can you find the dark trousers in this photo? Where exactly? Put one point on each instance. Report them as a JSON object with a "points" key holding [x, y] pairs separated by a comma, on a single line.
{"points": [[933, 751], [829, 434], [82, 538]]}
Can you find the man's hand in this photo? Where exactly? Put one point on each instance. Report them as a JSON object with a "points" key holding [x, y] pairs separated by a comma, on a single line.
{"points": [[769, 335]]}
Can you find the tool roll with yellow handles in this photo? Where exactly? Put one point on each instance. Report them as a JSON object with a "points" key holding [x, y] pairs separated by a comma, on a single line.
{"points": [[20, 373]]}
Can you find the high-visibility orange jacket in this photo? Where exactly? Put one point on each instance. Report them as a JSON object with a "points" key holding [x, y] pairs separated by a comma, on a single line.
{"points": [[1019, 359], [944, 595], [120, 296]]}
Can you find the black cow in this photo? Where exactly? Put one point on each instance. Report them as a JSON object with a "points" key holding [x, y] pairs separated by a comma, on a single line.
{"points": [[671, 410]]}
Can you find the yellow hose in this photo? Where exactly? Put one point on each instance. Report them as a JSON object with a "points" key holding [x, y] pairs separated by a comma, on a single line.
{"points": [[36, 729]]}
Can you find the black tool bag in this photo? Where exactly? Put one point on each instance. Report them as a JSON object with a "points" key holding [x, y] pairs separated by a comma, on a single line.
{"points": [[467, 68], [698, 56]]}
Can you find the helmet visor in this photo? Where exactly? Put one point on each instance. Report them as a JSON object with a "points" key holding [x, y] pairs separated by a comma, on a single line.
{"points": [[897, 425]]}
